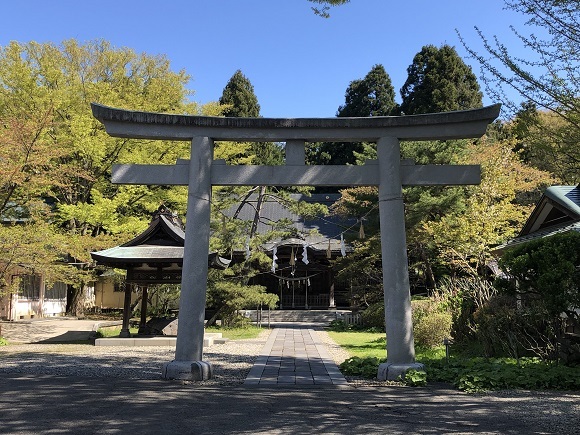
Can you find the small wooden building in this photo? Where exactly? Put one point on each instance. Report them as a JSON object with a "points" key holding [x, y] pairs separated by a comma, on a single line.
{"points": [[153, 257]]}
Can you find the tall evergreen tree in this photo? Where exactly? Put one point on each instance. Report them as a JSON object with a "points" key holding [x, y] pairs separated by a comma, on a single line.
{"points": [[373, 95], [240, 97], [439, 81]]}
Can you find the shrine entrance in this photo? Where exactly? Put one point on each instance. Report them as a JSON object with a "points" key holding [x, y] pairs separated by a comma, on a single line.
{"points": [[388, 172]]}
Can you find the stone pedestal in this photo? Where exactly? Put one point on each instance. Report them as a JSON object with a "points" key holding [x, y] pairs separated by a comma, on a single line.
{"points": [[188, 370], [392, 372]]}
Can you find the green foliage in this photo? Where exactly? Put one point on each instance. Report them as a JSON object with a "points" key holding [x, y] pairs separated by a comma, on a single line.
{"points": [[478, 374], [439, 81], [373, 95], [229, 297], [3, 341], [467, 373], [323, 11], [239, 97], [544, 72], [62, 156], [374, 316], [545, 273], [415, 378], [431, 325], [503, 328], [366, 367], [463, 297]]}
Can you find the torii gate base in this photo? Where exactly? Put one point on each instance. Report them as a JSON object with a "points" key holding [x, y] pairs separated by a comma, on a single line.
{"points": [[201, 172]]}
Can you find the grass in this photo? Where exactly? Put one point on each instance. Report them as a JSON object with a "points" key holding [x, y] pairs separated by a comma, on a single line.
{"points": [[229, 333], [465, 370], [361, 344], [237, 333], [113, 331]]}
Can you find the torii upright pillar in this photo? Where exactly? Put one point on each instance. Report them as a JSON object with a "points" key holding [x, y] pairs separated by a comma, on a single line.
{"points": [[201, 172]]}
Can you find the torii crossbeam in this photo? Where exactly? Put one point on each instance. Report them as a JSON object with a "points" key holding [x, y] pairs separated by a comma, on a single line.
{"points": [[388, 172]]}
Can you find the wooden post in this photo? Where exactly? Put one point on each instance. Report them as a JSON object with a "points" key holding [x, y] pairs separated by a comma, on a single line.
{"points": [[126, 313]]}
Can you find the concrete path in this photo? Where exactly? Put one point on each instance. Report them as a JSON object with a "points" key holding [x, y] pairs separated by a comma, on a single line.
{"points": [[293, 355]]}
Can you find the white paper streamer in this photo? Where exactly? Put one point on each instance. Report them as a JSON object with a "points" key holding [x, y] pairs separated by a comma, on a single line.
{"points": [[342, 247], [274, 258], [248, 248], [305, 255]]}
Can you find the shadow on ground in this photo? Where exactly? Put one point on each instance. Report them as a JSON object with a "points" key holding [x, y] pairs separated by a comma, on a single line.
{"points": [[35, 404]]}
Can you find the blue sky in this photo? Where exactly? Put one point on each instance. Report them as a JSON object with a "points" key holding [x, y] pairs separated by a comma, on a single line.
{"points": [[300, 64]]}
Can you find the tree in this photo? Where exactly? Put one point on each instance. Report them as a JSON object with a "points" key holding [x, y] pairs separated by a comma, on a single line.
{"points": [[239, 97], [493, 212], [545, 272], [548, 142], [371, 96], [439, 81], [323, 11], [547, 75], [45, 96], [239, 100]]}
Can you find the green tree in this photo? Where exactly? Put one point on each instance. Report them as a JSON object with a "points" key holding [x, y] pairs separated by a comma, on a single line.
{"points": [[239, 97], [239, 100], [45, 96], [548, 142], [493, 212], [546, 76], [545, 272], [373, 95], [439, 81]]}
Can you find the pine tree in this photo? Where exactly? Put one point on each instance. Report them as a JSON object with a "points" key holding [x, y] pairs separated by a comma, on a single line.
{"points": [[240, 98], [371, 96], [439, 81]]}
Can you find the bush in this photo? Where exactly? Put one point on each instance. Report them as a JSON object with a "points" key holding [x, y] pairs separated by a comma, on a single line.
{"points": [[504, 329], [374, 316], [430, 325]]}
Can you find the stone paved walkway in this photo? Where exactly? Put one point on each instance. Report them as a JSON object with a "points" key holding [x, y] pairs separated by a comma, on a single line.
{"points": [[294, 356]]}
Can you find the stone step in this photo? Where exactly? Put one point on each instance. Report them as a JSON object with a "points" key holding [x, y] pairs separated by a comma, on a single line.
{"points": [[307, 316]]}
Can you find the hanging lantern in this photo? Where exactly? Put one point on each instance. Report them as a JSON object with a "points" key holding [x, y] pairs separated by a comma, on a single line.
{"points": [[292, 258], [328, 250]]}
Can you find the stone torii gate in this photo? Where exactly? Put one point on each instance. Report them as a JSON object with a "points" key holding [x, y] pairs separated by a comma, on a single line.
{"points": [[388, 172]]}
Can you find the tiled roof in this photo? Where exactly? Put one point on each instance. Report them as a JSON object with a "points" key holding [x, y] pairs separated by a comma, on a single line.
{"points": [[544, 232]]}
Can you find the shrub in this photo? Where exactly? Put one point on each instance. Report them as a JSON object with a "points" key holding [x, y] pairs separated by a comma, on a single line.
{"points": [[430, 325], [504, 329], [432, 329], [374, 316], [3, 341]]}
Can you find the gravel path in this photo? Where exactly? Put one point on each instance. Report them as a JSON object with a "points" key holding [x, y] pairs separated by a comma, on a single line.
{"points": [[550, 412]]}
